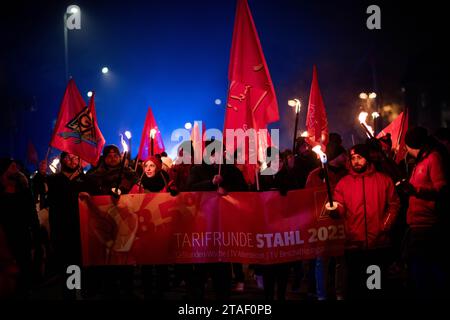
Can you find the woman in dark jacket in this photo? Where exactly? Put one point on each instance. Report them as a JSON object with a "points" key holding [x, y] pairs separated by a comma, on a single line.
{"points": [[154, 179]]}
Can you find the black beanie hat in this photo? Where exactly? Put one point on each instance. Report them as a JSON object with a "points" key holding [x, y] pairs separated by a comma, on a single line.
{"points": [[110, 148], [416, 137], [362, 149]]}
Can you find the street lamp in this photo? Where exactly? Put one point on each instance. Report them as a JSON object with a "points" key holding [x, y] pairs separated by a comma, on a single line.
{"points": [[297, 104], [105, 70], [368, 97], [72, 21]]}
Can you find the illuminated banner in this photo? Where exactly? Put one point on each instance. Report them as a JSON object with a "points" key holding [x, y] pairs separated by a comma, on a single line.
{"points": [[199, 227]]}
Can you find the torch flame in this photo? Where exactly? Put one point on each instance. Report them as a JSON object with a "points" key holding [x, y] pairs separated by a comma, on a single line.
{"points": [[152, 133], [54, 165], [124, 144], [318, 150], [362, 119], [305, 134], [375, 115]]}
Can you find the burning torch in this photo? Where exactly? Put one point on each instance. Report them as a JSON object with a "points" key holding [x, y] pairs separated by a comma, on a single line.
{"points": [[297, 104], [362, 120], [152, 141], [397, 176], [375, 116], [116, 190], [330, 205], [128, 135]]}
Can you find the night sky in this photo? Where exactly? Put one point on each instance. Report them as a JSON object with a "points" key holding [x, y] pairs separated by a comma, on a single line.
{"points": [[174, 55]]}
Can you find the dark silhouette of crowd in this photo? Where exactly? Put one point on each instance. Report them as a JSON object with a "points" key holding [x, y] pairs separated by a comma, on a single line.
{"points": [[396, 216]]}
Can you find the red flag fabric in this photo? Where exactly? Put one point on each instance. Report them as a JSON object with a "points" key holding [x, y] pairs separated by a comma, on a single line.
{"points": [[198, 142], [145, 148], [397, 129], [76, 130], [316, 118], [32, 156], [251, 102], [251, 99]]}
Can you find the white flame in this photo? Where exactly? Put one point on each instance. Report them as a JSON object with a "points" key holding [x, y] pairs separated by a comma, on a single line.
{"points": [[54, 165], [152, 133], [128, 134], [318, 150], [375, 115], [124, 144], [305, 134], [362, 119]]}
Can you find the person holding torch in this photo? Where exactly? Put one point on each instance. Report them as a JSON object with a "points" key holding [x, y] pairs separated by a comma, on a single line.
{"points": [[369, 204]]}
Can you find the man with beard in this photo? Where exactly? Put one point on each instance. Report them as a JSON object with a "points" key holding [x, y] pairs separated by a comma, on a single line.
{"points": [[106, 177], [63, 190], [368, 202]]}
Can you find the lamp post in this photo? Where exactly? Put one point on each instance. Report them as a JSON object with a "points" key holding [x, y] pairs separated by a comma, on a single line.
{"points": [[295, 103], [72, 21]]}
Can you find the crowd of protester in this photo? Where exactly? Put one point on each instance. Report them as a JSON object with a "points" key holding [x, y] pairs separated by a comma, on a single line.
{"points": [[396, 216]]}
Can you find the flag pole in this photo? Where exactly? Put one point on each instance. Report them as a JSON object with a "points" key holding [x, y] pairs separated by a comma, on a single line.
{"points": [[223, 129], [48, 153], [136, 164], [399, 138]]}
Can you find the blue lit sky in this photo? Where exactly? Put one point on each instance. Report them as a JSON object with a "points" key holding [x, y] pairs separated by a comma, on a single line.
{"points": [[173, 56]]}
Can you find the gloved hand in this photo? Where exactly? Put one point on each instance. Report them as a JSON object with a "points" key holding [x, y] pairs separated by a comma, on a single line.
{"points": [[222, 191], [172, 188], [406, 188], [217, 180], [333, 214]]}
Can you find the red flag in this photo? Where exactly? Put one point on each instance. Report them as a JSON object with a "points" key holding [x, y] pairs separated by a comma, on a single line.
{"points": [[316, 118], [145, 148], [251, 99], [32, 156], [397, 129], [198, 141], [76, 130], [251, 102]]}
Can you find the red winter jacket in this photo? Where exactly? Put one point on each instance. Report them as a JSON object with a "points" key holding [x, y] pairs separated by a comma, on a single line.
{"points": [[428, 179], [372, 193]]}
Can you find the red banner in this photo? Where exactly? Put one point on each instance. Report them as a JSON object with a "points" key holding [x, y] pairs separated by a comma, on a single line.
{"points": [[199, 227]]}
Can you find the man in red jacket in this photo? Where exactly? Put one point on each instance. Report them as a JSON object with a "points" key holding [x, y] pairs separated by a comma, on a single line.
{"points": [[427, 216], [369, 204]]}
